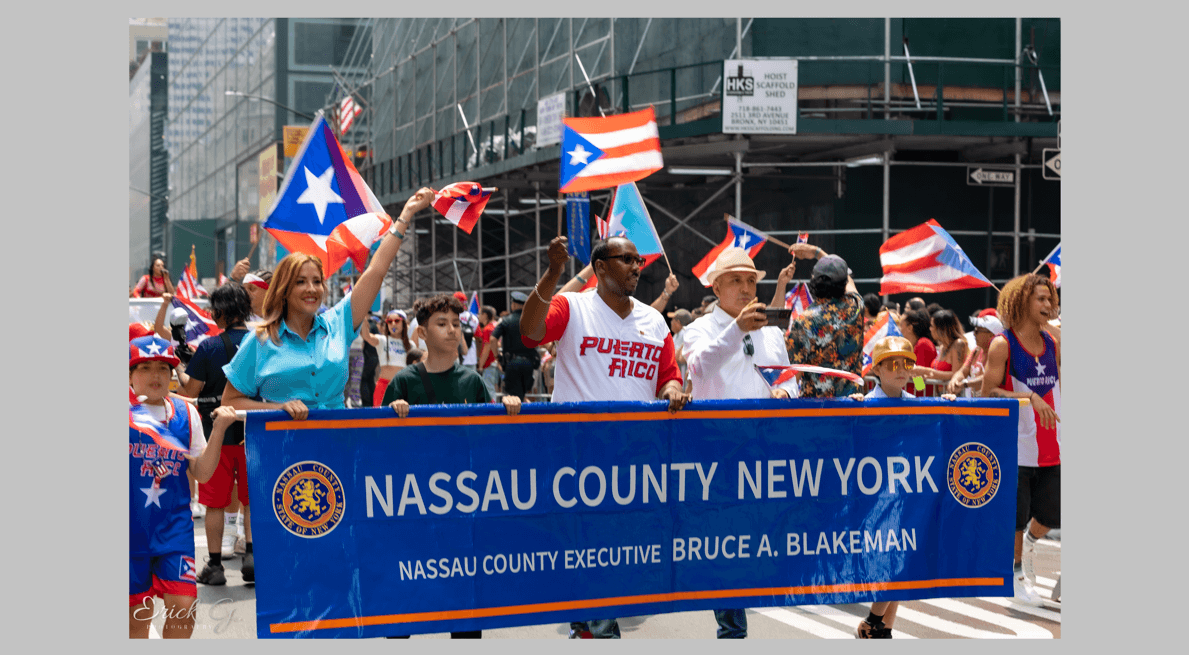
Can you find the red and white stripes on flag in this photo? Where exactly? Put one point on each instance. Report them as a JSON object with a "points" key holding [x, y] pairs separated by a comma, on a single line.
{"points": [[188, 286], [348, 110], [630, 150], [462, 203]]}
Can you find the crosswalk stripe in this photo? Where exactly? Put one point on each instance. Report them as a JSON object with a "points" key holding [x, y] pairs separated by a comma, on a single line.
{"points": [[803, 623], [1047, 583], [1023, 629], [1048, 615], [1050, 543], [838, 616], [944, 625]]}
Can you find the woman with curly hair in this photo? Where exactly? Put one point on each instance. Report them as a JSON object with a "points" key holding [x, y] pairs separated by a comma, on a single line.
{"points": [[1025, 362], [298, 357]]}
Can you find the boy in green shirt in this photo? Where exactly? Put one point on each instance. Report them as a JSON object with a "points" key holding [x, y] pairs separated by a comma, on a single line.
{"points": [[439, 378]]}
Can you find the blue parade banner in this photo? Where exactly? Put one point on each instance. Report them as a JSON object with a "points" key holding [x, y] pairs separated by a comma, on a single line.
{"points": [[578, 225], [462, 518]]}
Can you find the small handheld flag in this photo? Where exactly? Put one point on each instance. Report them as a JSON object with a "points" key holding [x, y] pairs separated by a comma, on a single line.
{"points": [[803, 237], [462, 203], [199, 324], [1053, 261], [324, 207], [188, 285], [597, 153], [739, 235], [348, 110], [926, 259], [630, 218], [882, 327], [473, 306]]}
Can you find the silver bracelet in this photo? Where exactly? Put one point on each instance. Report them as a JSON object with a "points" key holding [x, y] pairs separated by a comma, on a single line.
{"points": [[538, 292]]}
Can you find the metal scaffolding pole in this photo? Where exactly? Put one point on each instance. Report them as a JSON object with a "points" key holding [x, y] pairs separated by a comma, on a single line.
{"points": [[739, 185], [887, 214], [1016, 222], [887, 67], [1019, 48]]}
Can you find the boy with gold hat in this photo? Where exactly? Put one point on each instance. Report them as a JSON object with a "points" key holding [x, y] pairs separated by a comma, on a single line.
{"points": [[892, 362]]}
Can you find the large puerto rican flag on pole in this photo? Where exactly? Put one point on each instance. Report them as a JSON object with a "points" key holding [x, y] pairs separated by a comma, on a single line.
{"points": [[882, 327], [739, 235], [1053, 261], [324, 207], [630, 218], [597, 153], [926, 259]]}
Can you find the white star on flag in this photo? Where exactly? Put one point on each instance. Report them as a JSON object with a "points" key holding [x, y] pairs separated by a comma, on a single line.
{"points": [[579, 155], [154, 494], [741, 240], [318, 192], [154, 349]]}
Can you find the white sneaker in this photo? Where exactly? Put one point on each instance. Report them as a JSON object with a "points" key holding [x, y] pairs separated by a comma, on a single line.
{"points": [[228, 545], [1026, 593], [197, 510], [1028, 560]]}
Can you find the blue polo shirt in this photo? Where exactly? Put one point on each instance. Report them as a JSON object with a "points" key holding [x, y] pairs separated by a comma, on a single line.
{"points": [[312, 370]]}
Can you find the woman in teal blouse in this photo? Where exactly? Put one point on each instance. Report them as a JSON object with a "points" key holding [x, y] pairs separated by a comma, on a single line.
{"points": [[297, 359]]}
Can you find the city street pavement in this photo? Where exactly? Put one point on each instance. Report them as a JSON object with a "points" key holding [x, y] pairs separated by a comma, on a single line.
{"points": [[229, 612]]}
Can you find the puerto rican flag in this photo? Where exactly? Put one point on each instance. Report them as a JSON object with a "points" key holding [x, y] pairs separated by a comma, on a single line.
{"points": [[803, 237], [798, 299], [1053, 261], [882, 327], [473, 306], [926, 259], [188, 285], [462, 203], [630, 218], [775, 375], [324, 207], [597, 153], [739, 235], [199, 324], [348, 110]]}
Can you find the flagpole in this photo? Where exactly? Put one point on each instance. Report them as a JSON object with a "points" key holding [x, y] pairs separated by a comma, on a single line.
{"points": [[471, 136], [593, 94], [1045, 260]]}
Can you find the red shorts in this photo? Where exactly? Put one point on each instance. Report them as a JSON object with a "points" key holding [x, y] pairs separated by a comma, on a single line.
{"points": [[173, 573], [381, 387], [232, 468]]}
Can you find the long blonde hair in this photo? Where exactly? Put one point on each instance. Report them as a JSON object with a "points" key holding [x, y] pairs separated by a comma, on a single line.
{"points": [[276, 299]]}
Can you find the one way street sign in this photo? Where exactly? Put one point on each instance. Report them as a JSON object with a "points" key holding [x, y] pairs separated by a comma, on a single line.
{"points": [[990, 177], [1052, 167]]}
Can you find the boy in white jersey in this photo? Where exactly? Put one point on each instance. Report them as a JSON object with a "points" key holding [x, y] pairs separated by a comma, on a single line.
{"points": [[610, 346], [892, 362]]}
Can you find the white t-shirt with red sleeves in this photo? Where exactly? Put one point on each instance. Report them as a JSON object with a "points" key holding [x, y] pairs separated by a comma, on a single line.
{"points": [[601, 356]]}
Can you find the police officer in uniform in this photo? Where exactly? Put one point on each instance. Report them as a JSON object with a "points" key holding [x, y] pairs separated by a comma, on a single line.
{"points": [[518, 361]]}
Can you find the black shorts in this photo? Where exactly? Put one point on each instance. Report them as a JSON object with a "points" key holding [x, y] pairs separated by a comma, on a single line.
{"points": [[1038, 495]]}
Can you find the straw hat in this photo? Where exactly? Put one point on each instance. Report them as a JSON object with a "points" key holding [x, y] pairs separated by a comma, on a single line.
{"points": [[733, 259], [892, 347]]}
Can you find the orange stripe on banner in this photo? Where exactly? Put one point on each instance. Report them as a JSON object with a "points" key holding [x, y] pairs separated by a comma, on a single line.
{"points": [[611, 123], [388, 619], [628, 416], [646, 145], [593, 182]]}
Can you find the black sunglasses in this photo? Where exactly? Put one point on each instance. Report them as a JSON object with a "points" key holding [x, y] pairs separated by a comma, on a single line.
{"points": [[628, 259]]}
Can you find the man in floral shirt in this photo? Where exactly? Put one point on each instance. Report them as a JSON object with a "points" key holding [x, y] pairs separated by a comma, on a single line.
{"points": [[830, 332]]}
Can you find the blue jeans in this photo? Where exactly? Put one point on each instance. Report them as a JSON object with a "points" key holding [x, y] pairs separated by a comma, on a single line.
{"points": [[491, 378], [732, 624], [599, 628]]}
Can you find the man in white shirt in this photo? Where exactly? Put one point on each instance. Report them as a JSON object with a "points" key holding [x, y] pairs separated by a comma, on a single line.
{"points": [[722, 348], [610, 346]]}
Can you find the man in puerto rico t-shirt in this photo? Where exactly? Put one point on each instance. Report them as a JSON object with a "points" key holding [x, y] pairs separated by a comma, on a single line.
{"points": [[610, 346]]}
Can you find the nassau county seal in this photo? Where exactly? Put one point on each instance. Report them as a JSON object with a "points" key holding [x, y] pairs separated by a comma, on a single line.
{"points": [[308, 499], [973, 474]]}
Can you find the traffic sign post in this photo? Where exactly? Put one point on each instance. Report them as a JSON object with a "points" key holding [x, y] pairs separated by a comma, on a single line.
{"points": [[1052, 167], [990, 176]]}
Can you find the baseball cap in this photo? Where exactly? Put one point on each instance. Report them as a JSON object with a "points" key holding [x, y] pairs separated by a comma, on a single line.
{"points": [[462, 297], [519, 296], [987, 322], [830, 268], [256, 281], [892, 347], [151, 349], [397, 312], [178, 316], [683, 316], [732, 260], [136, 330]]}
